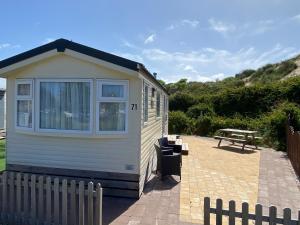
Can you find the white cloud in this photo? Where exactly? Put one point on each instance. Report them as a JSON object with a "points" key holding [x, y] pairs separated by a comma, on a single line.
{"points": [[263, 26], [209, 64], [47, 40], [296, 18], [191, 23], [5, 45], [183, 23], [151, 38], [220, 26]]}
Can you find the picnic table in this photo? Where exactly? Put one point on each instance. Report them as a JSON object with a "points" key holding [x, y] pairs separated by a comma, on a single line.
{"points": [[245, 137]]}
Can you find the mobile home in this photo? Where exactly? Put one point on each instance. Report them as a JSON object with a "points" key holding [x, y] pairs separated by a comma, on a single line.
{"points": [[77, 111]]}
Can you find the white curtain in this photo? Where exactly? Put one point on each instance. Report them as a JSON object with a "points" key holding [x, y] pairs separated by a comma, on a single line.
{"points": [[65, 105], [112, 116]]}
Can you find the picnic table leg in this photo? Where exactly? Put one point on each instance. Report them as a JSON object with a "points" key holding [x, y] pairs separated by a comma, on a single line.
{"points": [[254, 141], [243, 148], [219, 144]]}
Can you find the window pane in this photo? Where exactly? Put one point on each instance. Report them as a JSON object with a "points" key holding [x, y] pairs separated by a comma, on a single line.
{"points": [[158, 105], [146, 104], [65, 105], [24, 89], [24, 113], [112, 116], [111, 90]]}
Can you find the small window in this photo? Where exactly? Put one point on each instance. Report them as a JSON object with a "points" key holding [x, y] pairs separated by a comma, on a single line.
{"points": [[146, 96], [158, 105], [24, 104], [112, 106]]}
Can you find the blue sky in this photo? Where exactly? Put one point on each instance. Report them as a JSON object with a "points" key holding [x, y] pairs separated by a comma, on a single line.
{"points": [[200, 40]]}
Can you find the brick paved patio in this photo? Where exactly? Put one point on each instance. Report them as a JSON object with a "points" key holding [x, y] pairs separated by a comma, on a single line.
{"points": [[228, 173]]}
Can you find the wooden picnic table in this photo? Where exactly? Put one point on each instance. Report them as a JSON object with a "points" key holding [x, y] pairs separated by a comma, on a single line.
{"points": [[244, 137]]}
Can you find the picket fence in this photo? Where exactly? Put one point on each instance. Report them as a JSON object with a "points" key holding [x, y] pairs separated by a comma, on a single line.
{"points": [[293, 148], [246, 217], [43, 200]]}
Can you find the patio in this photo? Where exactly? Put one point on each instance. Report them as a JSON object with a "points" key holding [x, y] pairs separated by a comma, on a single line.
{"points": [[262, 176]]}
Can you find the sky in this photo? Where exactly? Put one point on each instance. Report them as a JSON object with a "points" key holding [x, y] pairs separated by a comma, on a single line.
{"points": [[201, 40]]}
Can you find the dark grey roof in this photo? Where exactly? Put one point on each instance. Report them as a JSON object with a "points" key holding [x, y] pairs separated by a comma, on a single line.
{"points": [[62, 44]]}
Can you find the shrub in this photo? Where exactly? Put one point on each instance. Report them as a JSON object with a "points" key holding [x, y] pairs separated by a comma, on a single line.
{"points": [[181, 102], [274, 124], [179, 123], [201, 109]]}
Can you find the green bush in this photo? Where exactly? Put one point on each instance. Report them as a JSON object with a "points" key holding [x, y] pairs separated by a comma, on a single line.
{"points": [[179, 123], [181, 102], [200, 109], [274, 124]]}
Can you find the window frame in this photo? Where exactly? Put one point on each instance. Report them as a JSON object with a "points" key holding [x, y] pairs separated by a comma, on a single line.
{"points": [[158, 94], [29, 97], [145, 84], [43, 130], [100, 99]]}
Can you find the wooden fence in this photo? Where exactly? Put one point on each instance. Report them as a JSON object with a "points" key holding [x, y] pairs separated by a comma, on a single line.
{"points": [[293, 148], [245, 216], [32, 199]]}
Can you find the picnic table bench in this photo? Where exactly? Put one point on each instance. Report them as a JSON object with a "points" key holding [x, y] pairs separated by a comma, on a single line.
{"points": [[245, 137], [176, 140]]}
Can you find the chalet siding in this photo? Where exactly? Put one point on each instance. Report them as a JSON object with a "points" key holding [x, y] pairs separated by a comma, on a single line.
{"points": [[109, 153], [150, 132]]}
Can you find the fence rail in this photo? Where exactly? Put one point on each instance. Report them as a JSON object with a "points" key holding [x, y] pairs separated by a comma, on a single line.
{"points": [[293, 148], [258, 217], [35, 199]]}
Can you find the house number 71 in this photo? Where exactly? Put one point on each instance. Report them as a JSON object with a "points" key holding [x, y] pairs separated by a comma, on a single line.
{"points": [[133, 106]]}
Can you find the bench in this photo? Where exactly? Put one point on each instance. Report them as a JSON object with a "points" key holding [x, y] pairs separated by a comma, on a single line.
{"points": [[185, 149], [233, 140]]}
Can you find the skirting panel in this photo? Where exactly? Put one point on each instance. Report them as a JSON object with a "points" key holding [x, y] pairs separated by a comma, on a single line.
{"points": [[114, 184]]}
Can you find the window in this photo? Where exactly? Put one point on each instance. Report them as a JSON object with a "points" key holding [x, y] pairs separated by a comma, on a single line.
{"points": [[146, 96], [65, 105], [24, 104], [112, 106], [158, 104]]}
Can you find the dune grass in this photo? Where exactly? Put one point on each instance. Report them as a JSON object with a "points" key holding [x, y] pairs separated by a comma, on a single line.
{"points": [[2, 155]]}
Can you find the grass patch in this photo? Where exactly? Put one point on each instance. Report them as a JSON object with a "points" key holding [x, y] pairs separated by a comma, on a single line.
{"points": [[2, 155]]}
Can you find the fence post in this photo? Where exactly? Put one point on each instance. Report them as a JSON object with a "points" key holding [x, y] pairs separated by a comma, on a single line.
{"points": [[258, 214], [231, 218], [287, 216], [73, 214], [219, 207], [81, 203], [4, 196], [56, 200], [11, 196], [26, 199], [64, 202], [245, 213], [98, 204], [206, 211], [90, 203], [41, 198], [19, 198], [33, 199], [48, 201], [272, 215]]}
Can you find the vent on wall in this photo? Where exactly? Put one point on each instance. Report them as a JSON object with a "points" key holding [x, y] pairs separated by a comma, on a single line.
{"points": [[129, 167]]}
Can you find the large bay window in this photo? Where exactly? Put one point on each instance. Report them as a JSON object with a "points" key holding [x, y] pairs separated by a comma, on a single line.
{"points": [[24, 104], [65, 105], [112, 106]]}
